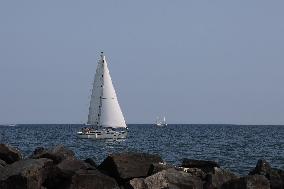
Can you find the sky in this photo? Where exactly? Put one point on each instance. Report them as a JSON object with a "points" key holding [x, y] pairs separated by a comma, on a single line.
{"points": [[192, 61]]}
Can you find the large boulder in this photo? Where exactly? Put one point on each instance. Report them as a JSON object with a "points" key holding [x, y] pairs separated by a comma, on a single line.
{"points": [[275, 176], [125, 166], [218, 177], [92, 179], [248, 182], [204, 165], [57, 153], [61, 175], [170, 179], [29, 173], [9, 154]]}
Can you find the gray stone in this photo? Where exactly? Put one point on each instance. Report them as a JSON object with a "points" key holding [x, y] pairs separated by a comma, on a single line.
{"points": [[92, 179], [218, 177], [173, 179], [57, 154], [248, 182], [25, 174], [126, 166]]}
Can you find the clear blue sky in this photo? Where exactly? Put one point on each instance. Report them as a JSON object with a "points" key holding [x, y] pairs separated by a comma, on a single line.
{"points": [[194, 61]]}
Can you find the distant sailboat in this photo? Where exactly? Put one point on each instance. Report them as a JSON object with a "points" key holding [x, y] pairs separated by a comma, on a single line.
{"points": [[105, 118], [161, 122]]}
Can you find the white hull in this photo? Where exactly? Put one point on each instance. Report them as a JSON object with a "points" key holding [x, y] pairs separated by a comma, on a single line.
{"points": [[102, 134]]}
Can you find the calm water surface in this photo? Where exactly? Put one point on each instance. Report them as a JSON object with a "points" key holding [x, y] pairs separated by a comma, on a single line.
{"points": [[235, 147]]}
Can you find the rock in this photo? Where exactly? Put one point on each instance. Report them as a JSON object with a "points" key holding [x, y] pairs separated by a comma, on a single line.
{"points": [[61, 176], [157, 167], [9, 154], [92, 179], [138, 183], [57, 154], [204, 165], [262, 168], [28, 173], [126, 166], [2, 163], [218, 177], [91, 162], [195, 172], [275, 176], [172, 179], [248, 182]]}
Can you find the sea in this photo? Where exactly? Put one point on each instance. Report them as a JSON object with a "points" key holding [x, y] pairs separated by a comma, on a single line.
{"points": [[235, 147]]}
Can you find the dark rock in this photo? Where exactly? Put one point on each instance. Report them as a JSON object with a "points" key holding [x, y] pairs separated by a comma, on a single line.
{"points": [[91, 162], [157, 167], [61, 176], [218, 177], [262, 168], [204, 165], [57, 154], [248, 182], [126, 166], [275, 176], [9, 154], [92, 179], [171, 178], [2, 163], [29, 173]]}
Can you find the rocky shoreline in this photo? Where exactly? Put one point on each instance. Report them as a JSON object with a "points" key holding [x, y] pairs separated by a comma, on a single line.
{"points": [[58, 168]]}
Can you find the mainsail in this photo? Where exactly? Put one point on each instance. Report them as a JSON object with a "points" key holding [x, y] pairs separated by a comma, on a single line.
{"points": [[104, 108]]}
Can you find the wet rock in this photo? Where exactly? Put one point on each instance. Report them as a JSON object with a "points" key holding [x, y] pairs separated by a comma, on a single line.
{"points": [[57, 154], [157, 167], [125, 166], [204, 165], [248, 182], [61, 175], [275, 176], [91, 162], [92, 179], [29, 173], [9, 154], [172, 178], [218, 177]]}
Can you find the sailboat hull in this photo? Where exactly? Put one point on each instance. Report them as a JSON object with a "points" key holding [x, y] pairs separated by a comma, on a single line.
{"points": [[102, 134]]}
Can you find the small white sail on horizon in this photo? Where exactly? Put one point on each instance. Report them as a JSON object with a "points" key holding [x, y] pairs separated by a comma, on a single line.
{"points": [[161, 122]]}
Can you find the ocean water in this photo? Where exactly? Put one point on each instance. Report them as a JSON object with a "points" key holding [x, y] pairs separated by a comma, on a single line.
{"points": [[235, 147]]}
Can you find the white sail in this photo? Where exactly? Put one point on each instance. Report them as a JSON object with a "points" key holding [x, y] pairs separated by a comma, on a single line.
{"points": [[104, 108], [94, 109]]}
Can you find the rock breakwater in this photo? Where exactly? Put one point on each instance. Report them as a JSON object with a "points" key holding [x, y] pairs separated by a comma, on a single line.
{"points": [[58, 168]]}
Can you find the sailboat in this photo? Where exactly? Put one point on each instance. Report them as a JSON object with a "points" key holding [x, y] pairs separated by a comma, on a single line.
{"points": [[161, 122], [105, 118]]}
